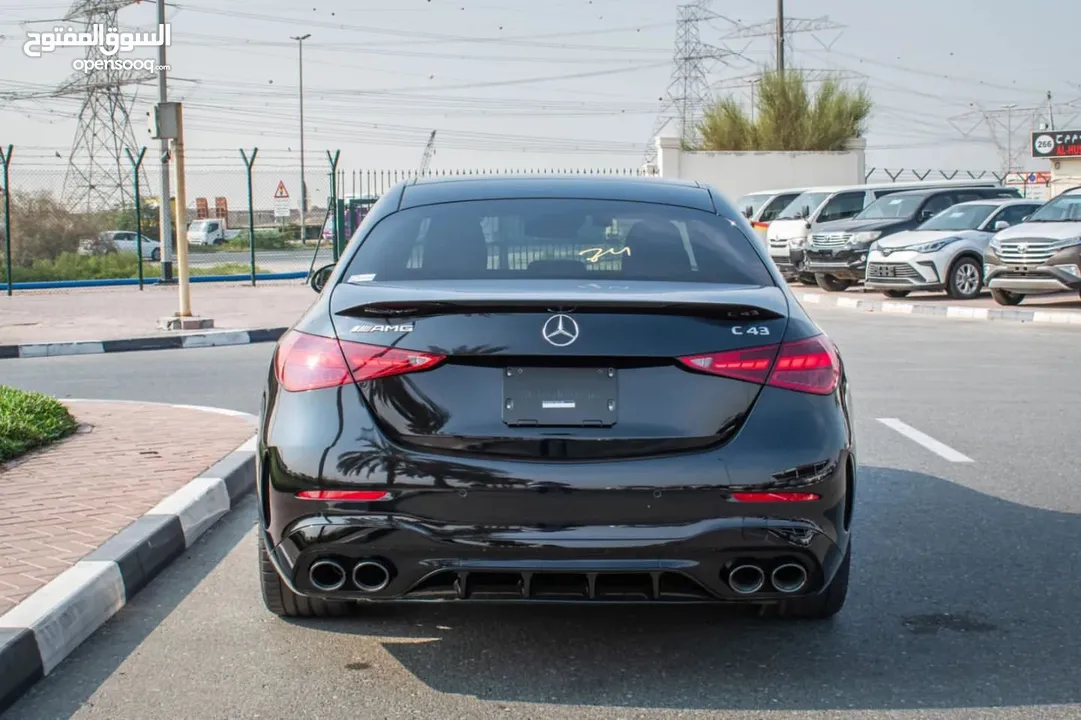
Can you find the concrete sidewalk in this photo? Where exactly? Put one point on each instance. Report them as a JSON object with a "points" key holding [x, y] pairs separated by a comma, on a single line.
{"points": [[86, 523]]}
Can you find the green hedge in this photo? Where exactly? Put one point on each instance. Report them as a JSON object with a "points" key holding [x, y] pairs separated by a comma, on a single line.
{"points": [[30, 420], [72, 266]]}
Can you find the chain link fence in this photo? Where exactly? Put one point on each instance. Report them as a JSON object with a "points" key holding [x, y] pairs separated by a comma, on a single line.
{"points": [[239, 226]]}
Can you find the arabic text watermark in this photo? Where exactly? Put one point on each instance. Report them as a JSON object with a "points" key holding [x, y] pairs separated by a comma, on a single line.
{"points": [[107, 40]]}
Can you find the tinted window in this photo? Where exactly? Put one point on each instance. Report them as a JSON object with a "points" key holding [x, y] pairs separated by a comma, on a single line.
{"points": [[937, 204], [775, 207], [960, 217], [1015, 214], [842, 205], [969, 196], [557, 239]]}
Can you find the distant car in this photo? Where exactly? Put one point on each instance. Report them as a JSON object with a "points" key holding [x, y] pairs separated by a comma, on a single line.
{"points": [[945, 252], [1041, 255], [837, 253], [762, 208], [120, 241], [493, 398]]}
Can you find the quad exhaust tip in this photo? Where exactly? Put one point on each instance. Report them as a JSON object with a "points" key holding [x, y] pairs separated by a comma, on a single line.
{"points": [[746, 579], [789, 578], [371, 576], [326, 575]]}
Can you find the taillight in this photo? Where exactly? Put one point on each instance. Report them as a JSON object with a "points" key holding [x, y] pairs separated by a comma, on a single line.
{"points": [[773, 497], [343, 495], [311, 362], [810, 366]]}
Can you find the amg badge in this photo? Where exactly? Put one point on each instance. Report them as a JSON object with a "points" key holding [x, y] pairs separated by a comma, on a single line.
{"points": [[404, 327]]}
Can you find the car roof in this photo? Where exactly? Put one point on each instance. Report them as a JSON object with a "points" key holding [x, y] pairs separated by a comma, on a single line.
{"points": [[649, 189], [783, 191], [922, 192]]}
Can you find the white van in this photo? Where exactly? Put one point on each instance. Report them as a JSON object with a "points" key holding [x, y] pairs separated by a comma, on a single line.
{"points": [[762, 207], [789, 232]]}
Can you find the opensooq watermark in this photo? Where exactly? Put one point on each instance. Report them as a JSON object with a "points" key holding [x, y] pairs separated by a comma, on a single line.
{"points": [[109, 43]]}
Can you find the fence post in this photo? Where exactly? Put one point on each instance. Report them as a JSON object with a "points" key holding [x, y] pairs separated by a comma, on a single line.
{"points": [[5, 160], [251, 209], [334, 198], [135, 165]]}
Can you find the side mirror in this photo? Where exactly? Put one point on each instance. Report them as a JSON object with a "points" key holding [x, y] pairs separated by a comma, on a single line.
{"points": [[748, 212], [1001, 225], [805, 211], [319, 278]]}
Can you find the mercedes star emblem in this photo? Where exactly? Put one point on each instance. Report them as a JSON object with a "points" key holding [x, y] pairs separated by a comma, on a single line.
{"points": [[560, 330]]}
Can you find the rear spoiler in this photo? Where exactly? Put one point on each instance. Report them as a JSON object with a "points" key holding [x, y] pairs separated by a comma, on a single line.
{"points": [[468, 306]]}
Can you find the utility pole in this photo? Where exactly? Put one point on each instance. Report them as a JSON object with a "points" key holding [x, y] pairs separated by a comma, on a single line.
{"points": [[181, 218], [780, 37], [1050, 112], [164, 220], [303, 186], [1009, 136]]}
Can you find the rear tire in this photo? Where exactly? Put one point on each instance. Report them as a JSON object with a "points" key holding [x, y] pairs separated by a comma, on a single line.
{"points": [[1005, 297], [283, 602], [896, 293], [825, 605], [966, 279], [832, 284]]}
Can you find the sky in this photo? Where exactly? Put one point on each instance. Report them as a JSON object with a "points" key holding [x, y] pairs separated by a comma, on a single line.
{"points": [[561, 84]]}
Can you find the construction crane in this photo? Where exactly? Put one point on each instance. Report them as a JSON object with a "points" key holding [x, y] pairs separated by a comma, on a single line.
{"points": [[429, 150]]}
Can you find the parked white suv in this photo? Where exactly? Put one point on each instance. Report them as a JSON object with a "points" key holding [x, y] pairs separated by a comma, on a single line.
{"points": [[945, 252]]}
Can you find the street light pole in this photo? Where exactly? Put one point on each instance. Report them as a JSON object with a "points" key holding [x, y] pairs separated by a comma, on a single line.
{"points": [[303, 185]]}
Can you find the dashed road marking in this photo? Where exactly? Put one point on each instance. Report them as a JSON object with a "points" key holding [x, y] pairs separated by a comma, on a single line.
{"points": [[938, 448]]}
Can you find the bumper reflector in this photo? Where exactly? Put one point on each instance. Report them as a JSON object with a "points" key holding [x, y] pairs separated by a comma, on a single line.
{"points": [[764, 497], [343, 495]]}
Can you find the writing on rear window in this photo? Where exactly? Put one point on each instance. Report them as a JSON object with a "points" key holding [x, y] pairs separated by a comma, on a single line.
{"points": [[595, 254]]}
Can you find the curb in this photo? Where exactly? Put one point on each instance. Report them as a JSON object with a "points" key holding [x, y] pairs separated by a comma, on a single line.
{"points": [[38, 633], [216, 338], [1040, 317]]}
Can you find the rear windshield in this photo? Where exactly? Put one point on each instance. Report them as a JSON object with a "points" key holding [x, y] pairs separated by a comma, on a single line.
{"points": [[557, 240]]}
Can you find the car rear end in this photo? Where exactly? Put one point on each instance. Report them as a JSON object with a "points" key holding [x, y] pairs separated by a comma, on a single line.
{"points": [[556, 400]]}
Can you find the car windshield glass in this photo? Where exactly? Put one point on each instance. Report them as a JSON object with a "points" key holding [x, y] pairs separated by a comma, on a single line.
{"points": [[810, 200], [557, 239], [890, 207], [1064, 208], [198, 225], [754, 202], [959, 217]]}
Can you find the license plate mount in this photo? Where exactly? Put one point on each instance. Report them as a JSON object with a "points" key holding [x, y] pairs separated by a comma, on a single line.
{"points": [[560, 397]]}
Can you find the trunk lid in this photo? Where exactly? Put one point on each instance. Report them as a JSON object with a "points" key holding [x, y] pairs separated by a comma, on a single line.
{"points": [[569, 371]]}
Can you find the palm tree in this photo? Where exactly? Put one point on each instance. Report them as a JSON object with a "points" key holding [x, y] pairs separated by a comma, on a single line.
{"points": [[788, 118]]}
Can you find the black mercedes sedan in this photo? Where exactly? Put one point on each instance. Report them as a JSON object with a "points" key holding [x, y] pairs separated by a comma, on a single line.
{"points": [[555, 389]]}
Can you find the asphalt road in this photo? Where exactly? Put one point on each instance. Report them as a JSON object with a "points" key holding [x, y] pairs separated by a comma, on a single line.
{"points": [[963, 602]]}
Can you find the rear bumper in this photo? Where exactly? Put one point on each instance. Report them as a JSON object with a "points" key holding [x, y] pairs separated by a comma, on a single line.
{"points": [[661, 528], [688, 564]]}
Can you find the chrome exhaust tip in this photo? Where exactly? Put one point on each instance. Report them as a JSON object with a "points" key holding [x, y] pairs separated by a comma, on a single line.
{"points": [[326, 575], [789, 578], [746, 579], [370, 576]]}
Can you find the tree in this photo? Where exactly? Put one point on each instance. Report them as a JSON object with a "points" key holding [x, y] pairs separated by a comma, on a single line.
{"points": [[787, 117]]}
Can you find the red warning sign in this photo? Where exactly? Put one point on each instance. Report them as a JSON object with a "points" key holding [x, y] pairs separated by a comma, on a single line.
{"points": [[281, 193]]}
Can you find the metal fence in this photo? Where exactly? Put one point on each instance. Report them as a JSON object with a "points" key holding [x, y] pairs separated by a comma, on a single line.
{"points": [[55, 232]]}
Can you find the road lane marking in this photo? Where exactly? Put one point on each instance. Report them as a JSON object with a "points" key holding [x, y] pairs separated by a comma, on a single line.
{"points": [[940, 449]]}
